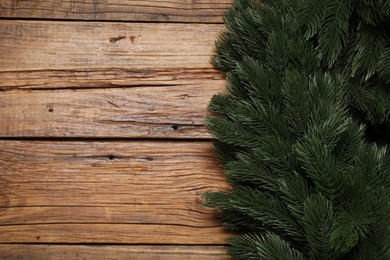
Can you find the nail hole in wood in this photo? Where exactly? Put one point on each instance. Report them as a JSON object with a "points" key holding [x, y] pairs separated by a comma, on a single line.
{"points": [[112, 157], [51, 110], [132, 39], [175, 127]]}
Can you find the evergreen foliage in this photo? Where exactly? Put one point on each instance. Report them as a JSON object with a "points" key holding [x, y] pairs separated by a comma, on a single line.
{"points": [[302, 132]]}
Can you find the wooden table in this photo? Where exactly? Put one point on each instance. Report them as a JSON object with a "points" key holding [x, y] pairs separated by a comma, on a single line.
{"points": [[103, 153]]}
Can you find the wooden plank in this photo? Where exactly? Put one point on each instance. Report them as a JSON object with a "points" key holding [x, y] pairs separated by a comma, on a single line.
{"points": [[54, 45], [75, 252], [199, 11], [112, 234], [108, 78], [137, 112], [108, 192]]}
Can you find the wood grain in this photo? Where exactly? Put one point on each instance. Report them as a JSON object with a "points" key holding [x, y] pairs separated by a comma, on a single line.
{"points": [[75, 252], [112, 234], [49, 45], [108, 192], [136, 112], [198, 11], [109, 78]]}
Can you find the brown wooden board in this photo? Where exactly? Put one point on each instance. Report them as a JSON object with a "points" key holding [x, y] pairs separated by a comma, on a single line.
{"points": [[136, 112], [55, 45], [134, 192], [112, 234], [106, 79], [194, 11], [109, 78], [76, 252]]}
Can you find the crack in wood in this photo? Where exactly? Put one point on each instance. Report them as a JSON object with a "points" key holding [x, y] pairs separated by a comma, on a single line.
{"points": [[117, 38], [112, 103]]}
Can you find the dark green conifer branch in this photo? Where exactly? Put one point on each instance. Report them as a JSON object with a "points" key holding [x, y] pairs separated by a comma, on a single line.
{"points": [[353, 38], [291, 130]]}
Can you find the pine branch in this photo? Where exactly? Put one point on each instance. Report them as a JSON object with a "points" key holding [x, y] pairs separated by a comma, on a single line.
{"points": [[317, 221], [370, 46], [333, 34], [267, 247], [308, 90], [309, 17]]}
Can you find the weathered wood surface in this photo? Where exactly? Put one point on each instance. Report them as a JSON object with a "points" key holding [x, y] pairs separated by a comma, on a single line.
{"points": [[75, 252], [44, 55], [109, 78], [195, 11], [136, 112], [112, 234], [108, 192], [44, 45], [93, 80]]}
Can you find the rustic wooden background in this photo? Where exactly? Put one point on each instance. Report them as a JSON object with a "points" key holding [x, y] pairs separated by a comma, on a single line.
{"points": [[103, 154]]}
